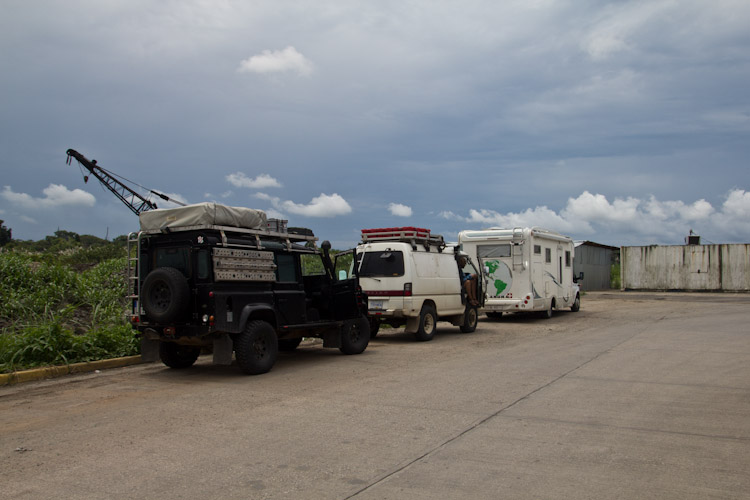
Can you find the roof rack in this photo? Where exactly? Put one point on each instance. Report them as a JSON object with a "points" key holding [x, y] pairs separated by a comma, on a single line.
{"points": [[408, 234]]}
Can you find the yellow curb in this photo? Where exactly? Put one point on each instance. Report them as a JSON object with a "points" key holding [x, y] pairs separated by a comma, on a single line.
{"points": [[59, 371]]}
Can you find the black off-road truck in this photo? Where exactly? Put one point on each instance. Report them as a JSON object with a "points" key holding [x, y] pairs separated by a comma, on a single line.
{"points": [[227, 279]]}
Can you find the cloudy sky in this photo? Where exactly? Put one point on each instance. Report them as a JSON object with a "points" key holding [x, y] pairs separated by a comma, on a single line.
{"points": [[624, 122]]}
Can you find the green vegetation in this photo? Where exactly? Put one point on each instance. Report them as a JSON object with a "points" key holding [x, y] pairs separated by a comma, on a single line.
{"points": [[6, 235], [614, 276], [63, 300]]}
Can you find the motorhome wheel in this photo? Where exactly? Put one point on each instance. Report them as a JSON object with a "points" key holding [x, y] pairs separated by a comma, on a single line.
{"points": [[576, 304]]}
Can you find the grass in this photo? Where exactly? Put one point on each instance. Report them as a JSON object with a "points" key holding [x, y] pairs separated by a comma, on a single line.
{"points": [[63, 308]]}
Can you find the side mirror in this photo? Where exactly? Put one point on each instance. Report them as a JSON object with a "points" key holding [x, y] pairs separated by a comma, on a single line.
{"points": [[579, 277]]}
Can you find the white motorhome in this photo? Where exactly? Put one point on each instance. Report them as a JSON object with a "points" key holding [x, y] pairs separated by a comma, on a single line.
{"points": [[528, 269], [412, 278]]}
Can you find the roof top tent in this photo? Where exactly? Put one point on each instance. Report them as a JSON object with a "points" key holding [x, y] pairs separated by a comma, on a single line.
{"points": [[529, 269]]}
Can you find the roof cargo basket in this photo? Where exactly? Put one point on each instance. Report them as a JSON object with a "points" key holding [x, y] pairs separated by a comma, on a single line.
{"points": [[407, 234]]}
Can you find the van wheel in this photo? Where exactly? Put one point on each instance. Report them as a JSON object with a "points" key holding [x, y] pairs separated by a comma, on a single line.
{"points": [[178, 356], [471, 318], [374, 327], [576, 304], [165, 295], [256, 348], [427, 324], [355, 336], [288, 345]]}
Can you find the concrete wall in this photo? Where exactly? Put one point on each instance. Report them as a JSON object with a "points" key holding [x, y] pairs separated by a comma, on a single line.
{"points": [[686, 267]]}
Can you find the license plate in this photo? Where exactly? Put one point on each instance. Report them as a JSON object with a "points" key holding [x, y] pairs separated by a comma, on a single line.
{"points": [[375, 305]]}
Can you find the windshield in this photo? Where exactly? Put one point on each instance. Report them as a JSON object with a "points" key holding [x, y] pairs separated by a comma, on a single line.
{"points": [[381, 264]]}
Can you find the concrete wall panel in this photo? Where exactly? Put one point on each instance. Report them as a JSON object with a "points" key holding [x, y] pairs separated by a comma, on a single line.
{"points": [[687, 267]]}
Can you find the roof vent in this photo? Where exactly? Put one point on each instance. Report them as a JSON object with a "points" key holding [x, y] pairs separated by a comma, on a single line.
{"points": [[692, 239]]}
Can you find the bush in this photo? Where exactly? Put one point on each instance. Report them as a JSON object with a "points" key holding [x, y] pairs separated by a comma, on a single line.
{"points": [[63, 307], [52, 344]]}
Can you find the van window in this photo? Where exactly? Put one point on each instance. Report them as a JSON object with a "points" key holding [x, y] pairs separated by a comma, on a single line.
{"points": [[567, 258], [381, 264], [548, 255], [493, 251], [538, 249]]}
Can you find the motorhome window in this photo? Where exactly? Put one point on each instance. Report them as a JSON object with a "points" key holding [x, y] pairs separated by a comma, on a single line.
{"points": [[567, 258], [547, 255], [286, 271], [204, 269], [179, 258], [493, 251], [381, 264], [312, 265], [538, 249]]}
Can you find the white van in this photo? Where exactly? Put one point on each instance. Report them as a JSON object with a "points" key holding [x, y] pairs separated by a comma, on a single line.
{"points": [[528, 269], [412, 278]]}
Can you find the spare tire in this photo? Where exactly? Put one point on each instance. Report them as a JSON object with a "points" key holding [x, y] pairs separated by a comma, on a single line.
{"points": [[165, 295]]}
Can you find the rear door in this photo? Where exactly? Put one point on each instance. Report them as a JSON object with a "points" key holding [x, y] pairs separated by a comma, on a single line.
{"points": [[497, 260]]}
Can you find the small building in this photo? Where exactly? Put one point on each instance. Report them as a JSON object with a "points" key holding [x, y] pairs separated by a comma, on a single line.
{"points": [[595, 261]]}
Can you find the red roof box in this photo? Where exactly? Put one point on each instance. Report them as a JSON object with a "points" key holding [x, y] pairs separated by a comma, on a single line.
{"points": [[395, 233]]}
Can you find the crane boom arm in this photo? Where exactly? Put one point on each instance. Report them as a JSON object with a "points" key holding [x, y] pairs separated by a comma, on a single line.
{"points": [[130, 198]]}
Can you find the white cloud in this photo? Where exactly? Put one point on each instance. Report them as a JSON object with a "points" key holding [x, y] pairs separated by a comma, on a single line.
{"points": [[399, 210], [239, 179], [55, 195], [324, 205], [596, 208], [737, 204], [277, 61], [628, 218], [448, 215], [539, 216]]}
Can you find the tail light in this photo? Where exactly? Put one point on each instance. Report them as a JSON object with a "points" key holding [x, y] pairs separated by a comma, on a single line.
{"points": [[407, 289]]}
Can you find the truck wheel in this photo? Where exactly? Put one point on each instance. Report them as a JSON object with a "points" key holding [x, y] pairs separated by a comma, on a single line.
{"points": [[165, 295], [471, 318], [256, 348], [427, 324], [288, 345], [178, 356], [374, 327], [576, 304], [355, 336]]}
